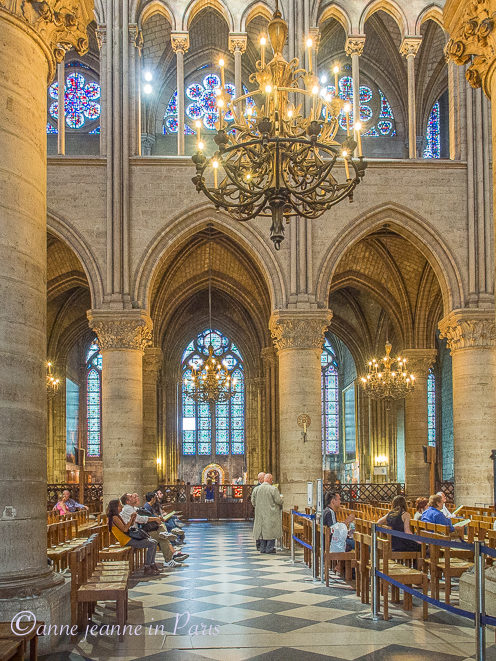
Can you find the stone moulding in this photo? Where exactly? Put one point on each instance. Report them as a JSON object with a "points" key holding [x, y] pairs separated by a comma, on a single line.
{"points": [[61, 24], [465, 329], [303, 330], [130, 330]]}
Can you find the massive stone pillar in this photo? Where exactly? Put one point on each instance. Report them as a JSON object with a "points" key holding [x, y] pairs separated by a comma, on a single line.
{"points": [[270, 414], [299, 337], [471, 336], [33, 39], [409, 48], [152, 361], [122, 337], [416, 422]]}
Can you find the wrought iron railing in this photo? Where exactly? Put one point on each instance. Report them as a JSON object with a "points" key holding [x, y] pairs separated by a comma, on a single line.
{"points": [[448, 488], [367, 493], [225, 501], [93, 494]]}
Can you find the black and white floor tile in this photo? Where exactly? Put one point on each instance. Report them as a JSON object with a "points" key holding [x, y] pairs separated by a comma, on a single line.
{"points": [[231, 603]]}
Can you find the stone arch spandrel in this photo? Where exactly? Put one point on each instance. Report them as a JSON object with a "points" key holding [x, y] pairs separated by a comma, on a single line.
{"points": [[339, 14], [253, 10], [431, 13], [410, 226], [196, 6], [393, 9], [178, 232], [64, 231], [156, 7]]}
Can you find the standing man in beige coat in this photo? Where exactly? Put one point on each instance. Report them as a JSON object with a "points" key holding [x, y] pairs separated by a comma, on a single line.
{"points": [[267, 526]]}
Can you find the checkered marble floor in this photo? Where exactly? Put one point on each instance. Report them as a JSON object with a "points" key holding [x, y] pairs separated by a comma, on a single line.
{"points": [[231, 603]]}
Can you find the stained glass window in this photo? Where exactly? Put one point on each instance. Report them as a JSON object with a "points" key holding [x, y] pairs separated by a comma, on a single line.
{"points": [[330, 400], [433, 148], [200, 104], [218, 428], [71, 419], [81, 101], [373, 108], [94, 400], [431, 408]]}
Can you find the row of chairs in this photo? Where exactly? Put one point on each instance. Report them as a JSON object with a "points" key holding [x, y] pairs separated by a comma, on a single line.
{"points": [[95, 578]]}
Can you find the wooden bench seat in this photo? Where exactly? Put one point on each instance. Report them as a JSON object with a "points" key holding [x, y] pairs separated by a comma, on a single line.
{"points": [[21, 642]]}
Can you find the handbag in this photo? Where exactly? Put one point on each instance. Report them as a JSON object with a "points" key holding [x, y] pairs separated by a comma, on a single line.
{"points": [[151, 526], [137, 534]]}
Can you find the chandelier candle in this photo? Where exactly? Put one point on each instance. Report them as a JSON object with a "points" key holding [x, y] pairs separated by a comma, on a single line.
{"points": [[310, 44], [336, 85], [290, 157]]}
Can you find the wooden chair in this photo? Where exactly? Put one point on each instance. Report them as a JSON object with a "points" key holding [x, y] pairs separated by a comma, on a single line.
{"points": [[362, 560], [404, 575], [91, 582], [345, 561], [22, 640], [11, 649]]}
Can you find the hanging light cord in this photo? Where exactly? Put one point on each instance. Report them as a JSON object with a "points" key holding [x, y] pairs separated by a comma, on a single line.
{"points": [[387, 285], [210, 283]]}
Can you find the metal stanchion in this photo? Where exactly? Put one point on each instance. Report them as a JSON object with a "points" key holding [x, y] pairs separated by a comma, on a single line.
{"points": [[281, 546], [292, 539], [322, 576], [375, 587], [480, 602], [314, 549]]}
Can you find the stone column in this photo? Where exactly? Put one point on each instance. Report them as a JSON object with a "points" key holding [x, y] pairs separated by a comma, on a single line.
{"points": [[237, 46], [32, 41], [61, 108], [471, 336], [409, 48], [416, 423], [354, 48], [299, 337], [269, 456], [152, 361], [122, 338], [180, 45]]}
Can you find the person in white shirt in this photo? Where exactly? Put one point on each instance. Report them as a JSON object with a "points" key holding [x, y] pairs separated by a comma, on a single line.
{"points": [[444, 509]]}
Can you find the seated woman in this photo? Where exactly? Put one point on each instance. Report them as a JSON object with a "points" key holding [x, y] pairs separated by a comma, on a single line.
{"points": [[120, 529], [420, 507], [60, 507], [433, 514], [399, 519]]}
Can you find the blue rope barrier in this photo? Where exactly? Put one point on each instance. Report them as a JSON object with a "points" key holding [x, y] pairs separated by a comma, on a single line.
{"points": [[424, 597], [464, 546], [488, 551], [305, 516], [308, 546]]}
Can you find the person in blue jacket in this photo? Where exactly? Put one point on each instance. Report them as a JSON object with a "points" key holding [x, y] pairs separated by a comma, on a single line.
{"points": [[433, 513]]}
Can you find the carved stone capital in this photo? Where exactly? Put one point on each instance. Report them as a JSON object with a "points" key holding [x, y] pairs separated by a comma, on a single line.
{"points": [[237, 42], [152, 360], [135, 37], [419, 361], [125, 330], [472, 39], [180, 42], [410, 45], [469, 329], [354, 45], [302, 330], [61, 24], [101, 35]]}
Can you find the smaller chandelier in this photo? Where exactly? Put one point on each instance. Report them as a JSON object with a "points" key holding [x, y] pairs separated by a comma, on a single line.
{"points": [[386, 383], [210, 380], [52, 382]]}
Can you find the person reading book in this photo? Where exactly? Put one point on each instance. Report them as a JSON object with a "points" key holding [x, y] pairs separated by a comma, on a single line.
{"points": [[433, 514]]}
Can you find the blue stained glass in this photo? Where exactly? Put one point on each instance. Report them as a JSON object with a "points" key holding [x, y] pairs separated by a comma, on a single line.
{"points": [[194, 92], [224, 422], [330, 402], [386, 111], [93, 412], [365, 113], [96, 131], [194, 111], [431, 408], [51, 129], [79, 100], [384, 126], [188, 130], [172, 125], [366, 94], [172, 105], [373, 132], [433, 148], [211, 81], [346, 87]]}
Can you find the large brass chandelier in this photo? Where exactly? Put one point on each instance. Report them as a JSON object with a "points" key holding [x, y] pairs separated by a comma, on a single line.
{"points": [[281, 162], [210, 381], [392, 381]]}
